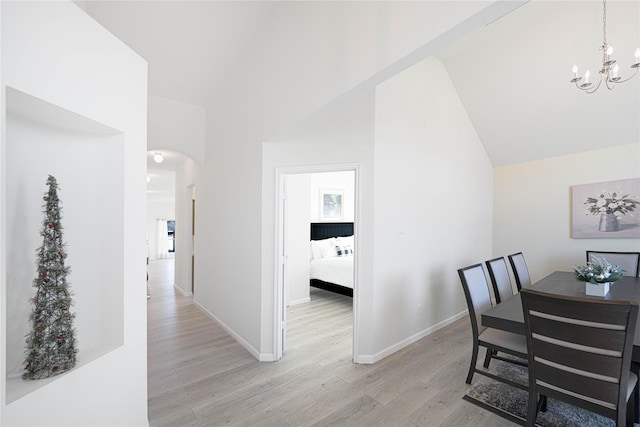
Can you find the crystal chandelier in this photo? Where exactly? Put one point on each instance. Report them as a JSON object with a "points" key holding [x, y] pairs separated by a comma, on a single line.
{"points": [[609, 69]]}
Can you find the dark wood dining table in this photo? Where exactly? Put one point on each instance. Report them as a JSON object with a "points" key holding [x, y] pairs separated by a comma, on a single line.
{"points": [[508, 314]]}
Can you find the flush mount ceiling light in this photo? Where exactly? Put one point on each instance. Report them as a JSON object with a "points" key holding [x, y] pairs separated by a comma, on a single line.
{"points": [[158, 158], [609, 68]]}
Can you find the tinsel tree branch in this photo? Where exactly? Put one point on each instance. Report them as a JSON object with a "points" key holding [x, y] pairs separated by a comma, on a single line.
{"points": [[51, 344]]}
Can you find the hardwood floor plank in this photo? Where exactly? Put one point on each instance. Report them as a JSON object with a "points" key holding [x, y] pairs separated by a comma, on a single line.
{"points": [[350, 414], [200, 376]]}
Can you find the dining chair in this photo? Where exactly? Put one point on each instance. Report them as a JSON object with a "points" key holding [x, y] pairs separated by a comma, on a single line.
{"points": [[520, 270], [500, 280], [580, 353], [476, 291], [628, 261]]}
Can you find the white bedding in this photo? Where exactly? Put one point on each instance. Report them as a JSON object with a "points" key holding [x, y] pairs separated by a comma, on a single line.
{"points": [[337, 270]]}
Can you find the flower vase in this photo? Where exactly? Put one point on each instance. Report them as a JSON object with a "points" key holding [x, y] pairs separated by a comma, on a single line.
{"points": [[608, 222], [597, 289]]}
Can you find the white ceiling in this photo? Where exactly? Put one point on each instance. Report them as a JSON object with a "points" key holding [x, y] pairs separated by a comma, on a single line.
{"points": [[189, 45], [512, 76], [162, 176]]}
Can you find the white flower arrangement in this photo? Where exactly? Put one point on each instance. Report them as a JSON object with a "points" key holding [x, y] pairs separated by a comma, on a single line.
{"points": [[611, 203], [599, 270]]}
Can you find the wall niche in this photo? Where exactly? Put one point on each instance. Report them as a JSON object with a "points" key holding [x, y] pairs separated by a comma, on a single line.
{"points": [[87, 159]]}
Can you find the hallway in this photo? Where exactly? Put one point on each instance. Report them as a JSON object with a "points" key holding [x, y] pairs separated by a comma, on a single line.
{"points": [[199, 376]]}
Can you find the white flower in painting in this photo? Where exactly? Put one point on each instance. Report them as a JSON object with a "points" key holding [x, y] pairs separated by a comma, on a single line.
{"points": [[612, 203]]}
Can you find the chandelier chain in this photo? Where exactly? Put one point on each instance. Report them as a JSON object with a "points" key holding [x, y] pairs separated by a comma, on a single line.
{"points": [[604, 22]]}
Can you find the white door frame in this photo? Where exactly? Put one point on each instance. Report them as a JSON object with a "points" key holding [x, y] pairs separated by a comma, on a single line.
{"points": [[191, 196], [279, 291]]}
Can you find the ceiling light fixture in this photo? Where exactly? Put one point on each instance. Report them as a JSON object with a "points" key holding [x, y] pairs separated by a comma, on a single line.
{"points": [[158, 158], [609, 69]]}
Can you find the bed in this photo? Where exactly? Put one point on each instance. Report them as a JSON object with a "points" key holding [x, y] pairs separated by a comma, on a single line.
{"points": [[331, 265]]}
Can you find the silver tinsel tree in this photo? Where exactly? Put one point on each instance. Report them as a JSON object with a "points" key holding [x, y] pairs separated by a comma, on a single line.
{"points": [[51, 345]]}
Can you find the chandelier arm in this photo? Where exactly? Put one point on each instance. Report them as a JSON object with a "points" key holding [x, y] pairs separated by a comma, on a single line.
{"points": [[608, 64], [595, 88], [587, 88], [607, 83], [628, 78]]}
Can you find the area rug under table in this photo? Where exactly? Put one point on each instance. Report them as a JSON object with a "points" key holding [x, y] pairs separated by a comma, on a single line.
{"points": [[511, 402]]}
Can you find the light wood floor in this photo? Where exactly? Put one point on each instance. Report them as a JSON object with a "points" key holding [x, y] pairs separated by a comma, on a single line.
{"points": [[199, 376]]}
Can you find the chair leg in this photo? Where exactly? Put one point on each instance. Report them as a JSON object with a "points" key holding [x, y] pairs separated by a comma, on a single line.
{"points": [[631, 408], [532, 409], [474, 360], [487, 357], [542, 404], [635, 368]]}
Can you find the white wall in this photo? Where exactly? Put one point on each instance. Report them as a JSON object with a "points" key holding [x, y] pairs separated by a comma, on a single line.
{"points": [[532, 205], [329, 50], [296, 238], [336, 139], [341, 181], [186, 190], [432, 204], [87, 76]]}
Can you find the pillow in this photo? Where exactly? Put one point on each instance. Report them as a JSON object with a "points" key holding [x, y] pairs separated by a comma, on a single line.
{"points": [[344, 241], [344, 251], [320, 247], [329, 251]]}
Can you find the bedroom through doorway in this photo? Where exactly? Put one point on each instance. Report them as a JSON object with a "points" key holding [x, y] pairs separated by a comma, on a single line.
{"points": [[318, 267]]}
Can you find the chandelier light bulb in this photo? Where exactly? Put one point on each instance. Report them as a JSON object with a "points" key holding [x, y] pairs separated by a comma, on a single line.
{"points": [[575, 71], [158, 158], [637, 55], [587, 74], [609, 50], [616, 68]]}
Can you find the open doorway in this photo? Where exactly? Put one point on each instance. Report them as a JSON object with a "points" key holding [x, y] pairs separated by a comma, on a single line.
{"points": [[316, 276], [171, 214]]}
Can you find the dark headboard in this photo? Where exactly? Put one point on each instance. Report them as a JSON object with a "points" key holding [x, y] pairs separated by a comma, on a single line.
{"points": [[324, 230]]}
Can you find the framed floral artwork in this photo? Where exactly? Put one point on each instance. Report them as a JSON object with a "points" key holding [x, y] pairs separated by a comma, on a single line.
{"points": [[331, 205], [606, 210]]}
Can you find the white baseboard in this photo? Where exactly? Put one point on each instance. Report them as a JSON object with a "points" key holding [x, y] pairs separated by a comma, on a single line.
{"points": [[261, 357], [363, 359], [373, 358], [299, 301], [182, 291]]}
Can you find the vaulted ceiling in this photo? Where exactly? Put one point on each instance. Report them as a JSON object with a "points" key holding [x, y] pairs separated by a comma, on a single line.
{"points": [[512, 75], [513, 78]]}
